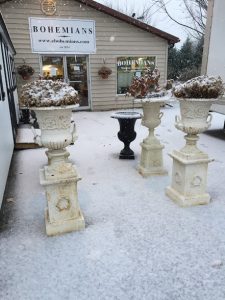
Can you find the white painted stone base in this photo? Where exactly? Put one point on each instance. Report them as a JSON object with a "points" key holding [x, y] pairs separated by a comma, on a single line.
{"points": [[60, 178], [151, 162], [185, 201], [189, 178], [65, 226]]}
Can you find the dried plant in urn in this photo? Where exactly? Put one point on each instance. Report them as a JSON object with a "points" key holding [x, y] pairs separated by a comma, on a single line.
{"points": [[141, 87], [44, 93], [207, 87]]}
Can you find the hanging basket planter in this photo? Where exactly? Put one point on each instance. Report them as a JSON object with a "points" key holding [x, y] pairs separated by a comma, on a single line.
{"points": [[25, 71], [104, 72]]}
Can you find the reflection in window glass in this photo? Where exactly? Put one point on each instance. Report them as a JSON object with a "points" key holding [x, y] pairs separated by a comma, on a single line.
{"points": [[77, 75], [128, 67], [52, 67]]}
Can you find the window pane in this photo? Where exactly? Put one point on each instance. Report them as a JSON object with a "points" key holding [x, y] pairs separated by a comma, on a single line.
{"points": [[77, 68], [52, 67], [77, 75], [128, 67]]}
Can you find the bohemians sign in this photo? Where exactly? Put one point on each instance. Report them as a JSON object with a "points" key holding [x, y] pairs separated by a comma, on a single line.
{"points": [[62, 36]]}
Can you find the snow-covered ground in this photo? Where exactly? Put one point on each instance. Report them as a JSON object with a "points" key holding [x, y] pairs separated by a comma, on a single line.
{"points": [[137, 243]]}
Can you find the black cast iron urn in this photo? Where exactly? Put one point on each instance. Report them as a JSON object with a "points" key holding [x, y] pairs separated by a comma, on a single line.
{"points": [[126, 134]]}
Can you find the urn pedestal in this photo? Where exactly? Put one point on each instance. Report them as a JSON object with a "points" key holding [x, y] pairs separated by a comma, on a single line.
{"points": [[190, 165], [126, 134], [59, 177], [151, 162]]}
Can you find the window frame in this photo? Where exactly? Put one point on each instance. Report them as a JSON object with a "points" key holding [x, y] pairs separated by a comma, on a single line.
{"points": [[155, 56]]}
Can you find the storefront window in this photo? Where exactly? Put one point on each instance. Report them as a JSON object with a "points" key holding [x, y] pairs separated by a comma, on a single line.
{"points": [[129, 67]]}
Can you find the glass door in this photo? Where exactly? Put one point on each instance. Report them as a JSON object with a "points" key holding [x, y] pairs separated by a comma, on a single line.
{"points": [[76, 69]]}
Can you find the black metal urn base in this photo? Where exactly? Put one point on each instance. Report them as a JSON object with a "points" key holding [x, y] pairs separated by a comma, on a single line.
{"points": [[126, 134]]}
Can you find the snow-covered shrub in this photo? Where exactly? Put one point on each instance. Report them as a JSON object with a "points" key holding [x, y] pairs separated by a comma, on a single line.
{"points": [[42, 93], [141, 87], [200, 87]]}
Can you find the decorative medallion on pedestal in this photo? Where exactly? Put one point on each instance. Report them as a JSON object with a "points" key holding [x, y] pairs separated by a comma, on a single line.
{"points": [[126, 134], [189, 175], [59, 177]]}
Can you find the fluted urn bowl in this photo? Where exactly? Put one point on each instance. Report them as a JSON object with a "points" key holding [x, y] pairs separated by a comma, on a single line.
{"points": [[151, 113], [57, 130], [194, 115]]}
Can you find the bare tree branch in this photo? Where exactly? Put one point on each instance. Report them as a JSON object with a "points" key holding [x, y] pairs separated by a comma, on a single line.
{"points": [[196, 11]]}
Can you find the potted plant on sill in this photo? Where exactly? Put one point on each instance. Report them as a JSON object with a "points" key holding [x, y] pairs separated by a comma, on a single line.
{"points": [[190, 164], [146, 91], [104, 72], [53, 102], [25, 71]]}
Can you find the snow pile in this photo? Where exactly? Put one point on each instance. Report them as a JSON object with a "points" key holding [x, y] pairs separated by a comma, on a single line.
{"points": [[200, 87], [42, 93]]}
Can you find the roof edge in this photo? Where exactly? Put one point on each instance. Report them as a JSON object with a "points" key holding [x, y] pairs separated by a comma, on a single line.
{"points": [[121, 16]]}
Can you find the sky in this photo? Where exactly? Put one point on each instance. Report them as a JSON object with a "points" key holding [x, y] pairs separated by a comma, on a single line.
{"points": [[159, 19]]}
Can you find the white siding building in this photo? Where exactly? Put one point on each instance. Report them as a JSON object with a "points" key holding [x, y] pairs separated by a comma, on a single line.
{"points": [[62, 33], [213, 62], [8, 105]]}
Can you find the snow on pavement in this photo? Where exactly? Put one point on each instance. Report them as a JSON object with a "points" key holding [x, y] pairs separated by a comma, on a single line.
{"points": [[137, 243]]}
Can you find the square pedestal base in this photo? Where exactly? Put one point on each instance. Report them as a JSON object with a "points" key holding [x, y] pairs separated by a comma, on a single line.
{"points": [[151, 171], [65, 226], [189, 179], [126, 156], [186, 201], [151, 162], [63, 212]]}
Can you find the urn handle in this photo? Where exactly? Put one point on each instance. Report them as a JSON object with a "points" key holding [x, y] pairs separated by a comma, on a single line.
{"points": [[209, 119], [37, 137], [73, 131], [160, 115]]}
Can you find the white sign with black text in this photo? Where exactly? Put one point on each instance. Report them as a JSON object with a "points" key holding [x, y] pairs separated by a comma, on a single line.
{"points": [[62, 36]]}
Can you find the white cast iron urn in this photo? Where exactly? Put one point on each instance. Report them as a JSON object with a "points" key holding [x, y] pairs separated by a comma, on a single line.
{"points": [[151, 162], [53, 103], [190, 164], [59, 177]]}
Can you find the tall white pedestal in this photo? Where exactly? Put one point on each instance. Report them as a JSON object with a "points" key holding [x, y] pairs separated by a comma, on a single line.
{"points": [[60, 179], [151, 162]]}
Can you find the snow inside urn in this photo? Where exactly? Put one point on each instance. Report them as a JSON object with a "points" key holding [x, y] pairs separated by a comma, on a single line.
{"points": [[200, 87], [45, 93]]}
